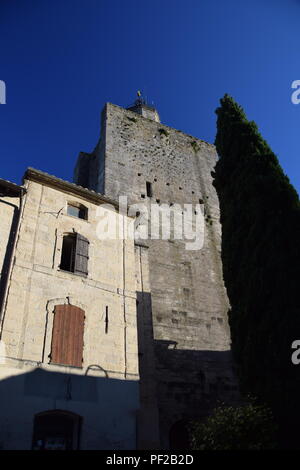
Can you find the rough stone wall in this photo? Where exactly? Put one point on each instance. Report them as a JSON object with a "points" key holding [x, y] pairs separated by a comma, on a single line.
{"points": [[36, 286], [146, 111], [89, 168], [189, 302]]}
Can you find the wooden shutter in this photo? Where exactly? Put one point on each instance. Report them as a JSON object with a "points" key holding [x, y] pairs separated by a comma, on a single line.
{"points": [[67, 335], [81, 255]]}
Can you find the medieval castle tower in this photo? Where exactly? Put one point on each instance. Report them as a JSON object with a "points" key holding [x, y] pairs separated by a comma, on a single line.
{"points": [[187, 306], [112, 344]]}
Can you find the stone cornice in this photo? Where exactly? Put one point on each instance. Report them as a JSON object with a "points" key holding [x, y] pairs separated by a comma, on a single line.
{"points": [[41, 177]]}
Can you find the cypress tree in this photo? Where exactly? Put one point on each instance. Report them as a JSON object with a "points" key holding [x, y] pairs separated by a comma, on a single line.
{"points": [[260, 217]]}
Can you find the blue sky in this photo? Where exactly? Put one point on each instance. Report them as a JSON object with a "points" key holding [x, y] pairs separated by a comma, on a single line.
{"points": [[62, 60]]}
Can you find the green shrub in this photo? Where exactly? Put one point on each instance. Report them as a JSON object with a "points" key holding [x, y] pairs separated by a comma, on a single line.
{"points": [[247, 427]]}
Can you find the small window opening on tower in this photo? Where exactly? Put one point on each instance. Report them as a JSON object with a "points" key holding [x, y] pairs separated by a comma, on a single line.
{"points": [[149, 189], [143, 196]]}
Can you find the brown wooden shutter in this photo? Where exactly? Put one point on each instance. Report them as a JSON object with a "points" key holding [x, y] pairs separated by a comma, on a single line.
{"points": [[67, 335], [81, 255]]}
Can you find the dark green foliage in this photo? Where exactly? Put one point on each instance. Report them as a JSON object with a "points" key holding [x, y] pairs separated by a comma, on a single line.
{"points": [[260, 216], [247, 427]]}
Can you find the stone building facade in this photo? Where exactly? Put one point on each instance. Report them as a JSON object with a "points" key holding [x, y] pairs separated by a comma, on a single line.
{"points": [[184, 337], [113, 342], [69, 361]]}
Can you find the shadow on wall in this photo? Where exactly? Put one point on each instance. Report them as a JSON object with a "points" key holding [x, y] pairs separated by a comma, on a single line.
{"points": [[188, 384], [9, 250], [52, 410]]}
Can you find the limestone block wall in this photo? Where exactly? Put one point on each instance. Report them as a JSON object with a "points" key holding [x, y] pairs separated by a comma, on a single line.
{"points": [[189, 301], [37, 284]]}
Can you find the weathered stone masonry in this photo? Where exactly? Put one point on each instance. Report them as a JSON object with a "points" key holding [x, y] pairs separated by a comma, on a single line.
{"points": [[103, 391], [155, 342], [191, 337]]}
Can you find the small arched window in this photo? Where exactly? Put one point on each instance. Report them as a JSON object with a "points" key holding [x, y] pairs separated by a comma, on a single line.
{"points": [[77, 210], [75, 254]]}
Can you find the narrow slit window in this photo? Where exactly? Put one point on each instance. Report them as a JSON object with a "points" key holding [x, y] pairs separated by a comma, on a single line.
{"points": [[106, 320], [149, 189]]}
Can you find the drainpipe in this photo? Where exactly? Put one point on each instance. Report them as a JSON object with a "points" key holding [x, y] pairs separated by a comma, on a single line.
{"points": [[12, 259]]}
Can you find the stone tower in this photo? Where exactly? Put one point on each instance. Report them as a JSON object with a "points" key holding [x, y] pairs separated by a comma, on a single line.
{"points": [[184, 338]]}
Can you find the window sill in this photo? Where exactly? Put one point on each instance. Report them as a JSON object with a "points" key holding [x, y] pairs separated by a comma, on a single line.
{"points": [[77, 218], [85, 276], [65, 365]]}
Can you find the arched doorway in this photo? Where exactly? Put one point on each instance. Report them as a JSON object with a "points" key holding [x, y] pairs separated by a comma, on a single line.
{"points": [[56, 430], [179, 436]]}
